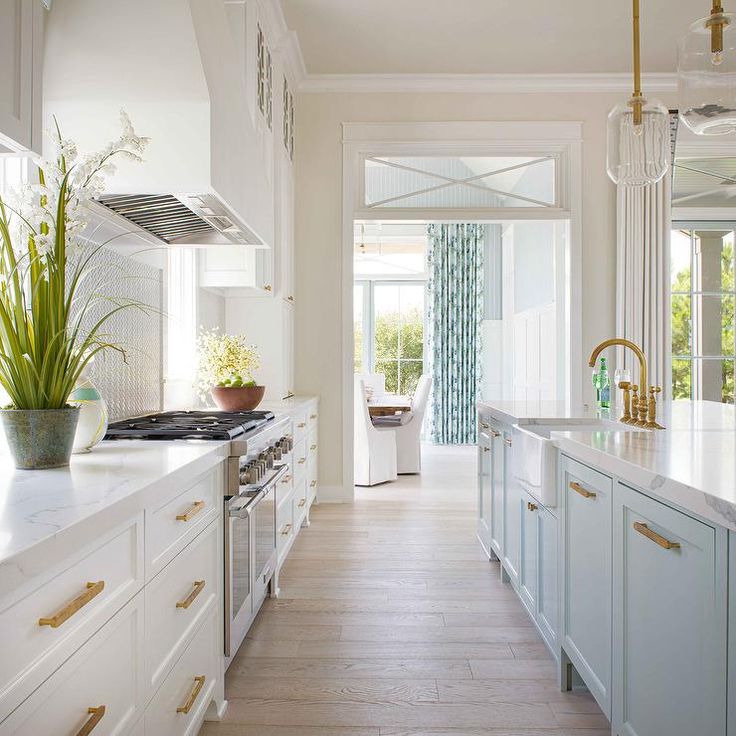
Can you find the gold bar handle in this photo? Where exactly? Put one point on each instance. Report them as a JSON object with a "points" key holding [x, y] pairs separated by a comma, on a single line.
{"points": [[92, 591], [286, 479], [312, 416], [531, 506], [507, 442], [485, 425], [584, 492], [302, 502], [312, 447], [495, 433], [301, 425], [193, 510], [97, 714], [656, 538], [313, 484], [198, 685], [486, 449], [196, 590], [286, 530], [302, 460]]}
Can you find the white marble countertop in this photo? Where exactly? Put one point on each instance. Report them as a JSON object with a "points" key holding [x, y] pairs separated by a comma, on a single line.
{"points": [[691, 464], [42, 510], [525, 412]]}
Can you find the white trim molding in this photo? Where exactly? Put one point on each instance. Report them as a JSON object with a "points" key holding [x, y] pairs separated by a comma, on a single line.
{"points": [[482, 83]]}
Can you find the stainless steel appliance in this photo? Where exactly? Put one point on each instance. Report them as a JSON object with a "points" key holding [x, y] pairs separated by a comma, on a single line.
{"points": [[260, 454]]}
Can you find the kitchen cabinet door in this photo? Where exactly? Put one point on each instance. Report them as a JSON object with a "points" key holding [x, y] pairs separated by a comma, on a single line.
{"points": [[528, 563], [20, 75], [587, 576], [498, 480], [485, 478], [548, 598], [670, 629], [512, 503]]}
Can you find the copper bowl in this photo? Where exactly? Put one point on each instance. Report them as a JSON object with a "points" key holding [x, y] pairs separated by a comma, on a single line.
{"points": [[241, 398]]}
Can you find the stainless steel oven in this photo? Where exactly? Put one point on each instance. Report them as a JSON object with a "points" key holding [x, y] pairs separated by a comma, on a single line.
{"points": [[250, 533]]}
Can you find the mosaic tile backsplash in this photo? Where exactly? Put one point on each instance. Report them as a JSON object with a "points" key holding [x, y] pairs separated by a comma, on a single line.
{"points": [[133, 384]]}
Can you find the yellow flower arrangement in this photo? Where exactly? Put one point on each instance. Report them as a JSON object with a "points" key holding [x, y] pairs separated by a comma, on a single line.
{"points": [[225, 360]]}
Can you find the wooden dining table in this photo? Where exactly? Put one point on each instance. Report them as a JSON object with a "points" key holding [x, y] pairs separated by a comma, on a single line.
{"points": [[385, 405]]}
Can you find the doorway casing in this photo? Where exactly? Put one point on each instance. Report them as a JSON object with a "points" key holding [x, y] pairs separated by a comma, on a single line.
{"points": [[562, 140]]}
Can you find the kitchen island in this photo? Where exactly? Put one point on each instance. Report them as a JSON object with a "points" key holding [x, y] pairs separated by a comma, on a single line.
{"points": [[630, 574]]}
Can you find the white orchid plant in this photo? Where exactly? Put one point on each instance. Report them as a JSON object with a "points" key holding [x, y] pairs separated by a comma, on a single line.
{"points": [[47, 335], [225, 361]]}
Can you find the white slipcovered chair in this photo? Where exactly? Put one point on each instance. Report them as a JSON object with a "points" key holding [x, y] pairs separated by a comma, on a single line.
{"points": [[375, 450], [374, 382], [408, 429]]}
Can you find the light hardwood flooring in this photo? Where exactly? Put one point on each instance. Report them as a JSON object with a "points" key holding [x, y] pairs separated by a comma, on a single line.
{"points": [[391, 623]]}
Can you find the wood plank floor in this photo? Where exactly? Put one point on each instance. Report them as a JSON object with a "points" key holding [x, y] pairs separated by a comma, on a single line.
{"points": [[391, 623]]}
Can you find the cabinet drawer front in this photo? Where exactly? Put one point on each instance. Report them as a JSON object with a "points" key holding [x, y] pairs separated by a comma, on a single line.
{"points": [[301, 501], [177, 601], [587, 569], [284, 525], [107, 671], [300, 425], [73, 601], [299, 459], [670, 628], [170, 527], [313, 420], [312, 477], [285, 487], [179, 705]]}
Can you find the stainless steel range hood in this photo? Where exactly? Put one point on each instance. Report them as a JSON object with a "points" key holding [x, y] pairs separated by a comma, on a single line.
{"points": [[180, 70], [193, 220]]}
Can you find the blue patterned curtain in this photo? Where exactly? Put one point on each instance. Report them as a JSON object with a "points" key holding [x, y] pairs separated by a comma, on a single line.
{"points": [[455, 299]]}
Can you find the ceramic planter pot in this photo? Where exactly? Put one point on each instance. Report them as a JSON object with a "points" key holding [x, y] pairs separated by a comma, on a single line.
{"points": [[40, 438], [244, 398]]}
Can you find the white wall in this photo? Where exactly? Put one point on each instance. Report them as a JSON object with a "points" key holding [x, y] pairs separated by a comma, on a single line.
{"points": [[318, 222]]}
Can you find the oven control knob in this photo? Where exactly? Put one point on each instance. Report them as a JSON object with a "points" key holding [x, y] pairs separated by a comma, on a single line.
{"points": [[277, 452]]}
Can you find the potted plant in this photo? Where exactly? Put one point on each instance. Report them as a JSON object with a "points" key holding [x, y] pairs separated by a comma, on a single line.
{"points": [[50, 330], [226, 365]]}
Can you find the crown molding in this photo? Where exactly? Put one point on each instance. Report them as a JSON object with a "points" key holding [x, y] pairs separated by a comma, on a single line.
{"points": [[482, 83]]}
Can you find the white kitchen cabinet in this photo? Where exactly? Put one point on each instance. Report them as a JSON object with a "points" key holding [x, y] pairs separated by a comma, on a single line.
{"points": [[244, 268], [485, 480], [21, 49], [670, 621], [586, 623], [529, 553], [511, 515]]}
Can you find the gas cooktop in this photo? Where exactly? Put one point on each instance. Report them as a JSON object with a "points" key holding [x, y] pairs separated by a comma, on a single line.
{"points": [[201, 425]]}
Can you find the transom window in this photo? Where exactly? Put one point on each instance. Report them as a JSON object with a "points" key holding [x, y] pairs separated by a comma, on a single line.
{"points": [[702, 313], [460, 182]]}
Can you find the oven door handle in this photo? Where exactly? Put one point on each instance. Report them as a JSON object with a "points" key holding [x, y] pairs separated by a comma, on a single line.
{"points": [[244, 511]]}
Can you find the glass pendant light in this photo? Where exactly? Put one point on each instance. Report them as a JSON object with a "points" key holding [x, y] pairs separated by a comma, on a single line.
{"points": [[638, 132], [706, 74]]}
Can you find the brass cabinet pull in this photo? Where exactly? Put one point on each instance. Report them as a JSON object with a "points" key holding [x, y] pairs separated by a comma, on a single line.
{"points": [[196, 590], [531, 506], [286, 530], [301, 425], [507, 442], [486, 449], [198, 685], [193, 510], [302, 502], [495, 433], [642, 528], [97, 714], [267, 287], [93, 590], [290, 298], [286, 479], [312, 416], [575, 486], [302, 460], [313, 484], [485, 426], [312, 447]]}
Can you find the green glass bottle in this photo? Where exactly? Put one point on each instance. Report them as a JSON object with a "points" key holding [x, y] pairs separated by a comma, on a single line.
{"points": [[604, 386]]}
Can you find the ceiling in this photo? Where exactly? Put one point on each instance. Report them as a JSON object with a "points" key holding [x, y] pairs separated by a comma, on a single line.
{"points": [[486, 36]]}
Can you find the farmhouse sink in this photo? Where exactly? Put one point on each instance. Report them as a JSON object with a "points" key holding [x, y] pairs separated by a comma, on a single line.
{"points": [[534, 456]]}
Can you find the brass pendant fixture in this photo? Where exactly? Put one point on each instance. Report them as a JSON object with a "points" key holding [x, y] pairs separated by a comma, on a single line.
{"points": [[638, 144], [706, 74]]}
